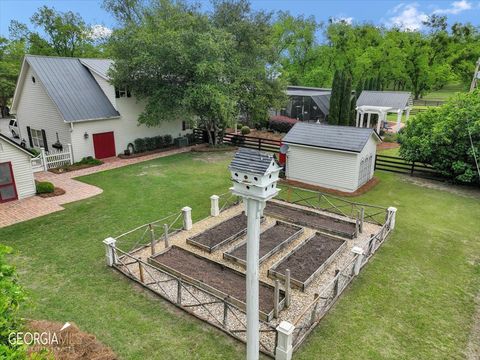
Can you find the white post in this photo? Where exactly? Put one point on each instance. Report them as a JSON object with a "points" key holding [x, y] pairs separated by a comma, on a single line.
{"points": [[358, 264], [407, 115], [110, 254], [362, 119], [392, 213], [44, 159], [187, 218], [214, 209], [381, 117], [284, 348], [368, 119], [70, 153], [399, 119], [254, 209], [357, 120]]}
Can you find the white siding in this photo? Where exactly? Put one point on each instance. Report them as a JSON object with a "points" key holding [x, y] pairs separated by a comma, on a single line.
{"points": [[37, 110], [22, 168], [108, 89], [125, 128], [370, 148], [331, 169]]}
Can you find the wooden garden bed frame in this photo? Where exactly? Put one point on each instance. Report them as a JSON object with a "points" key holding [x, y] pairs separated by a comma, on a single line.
{"points": [[275, 275]]}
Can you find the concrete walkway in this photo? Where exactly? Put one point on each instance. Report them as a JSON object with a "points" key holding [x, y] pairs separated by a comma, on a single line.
{"points": [[25, 209]]}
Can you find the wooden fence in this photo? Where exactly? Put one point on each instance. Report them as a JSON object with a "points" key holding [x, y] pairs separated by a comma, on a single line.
{"points": [[52, 159], [421, 102], [251, 142], [401, 166]]}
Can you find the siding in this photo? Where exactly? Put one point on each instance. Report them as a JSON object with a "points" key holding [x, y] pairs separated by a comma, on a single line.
{"points": [[36, 109], [331, 169], [22, 168], [126, 129], [370, 148]]}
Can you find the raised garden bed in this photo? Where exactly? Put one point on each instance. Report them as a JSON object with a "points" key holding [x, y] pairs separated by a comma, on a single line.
{"points": [[307, 260], [216, 278], [220, 234], [311, 219], [272, 240]]}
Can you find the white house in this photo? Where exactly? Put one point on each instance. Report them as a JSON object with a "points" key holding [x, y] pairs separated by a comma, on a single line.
{"points": [[335, 157], [16, 175], [60, 101]]}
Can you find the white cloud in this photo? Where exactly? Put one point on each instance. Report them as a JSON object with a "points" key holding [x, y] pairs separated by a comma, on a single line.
{"points": [[456, 7], [100, 32], [408, 17], [346, 20]]}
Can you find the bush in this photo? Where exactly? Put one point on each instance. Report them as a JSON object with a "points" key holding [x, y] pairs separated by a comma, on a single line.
{"points": [[245, 130], [389, 138], [158, 142], [150, 143], [45, 187], [89, 160], [167, 139], [281, 124], [140, 145], [191, 138]]}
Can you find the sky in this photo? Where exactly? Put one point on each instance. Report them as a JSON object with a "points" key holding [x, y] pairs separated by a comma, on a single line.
{"points": [[406, 14]]}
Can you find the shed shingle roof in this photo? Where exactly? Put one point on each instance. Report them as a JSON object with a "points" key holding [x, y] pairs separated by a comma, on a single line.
{"points": [[393, 99], [251, 161], [345, 138], [72, 88]]}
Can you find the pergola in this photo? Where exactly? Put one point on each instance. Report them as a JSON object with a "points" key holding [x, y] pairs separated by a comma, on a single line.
{"points": [[383, 103]]}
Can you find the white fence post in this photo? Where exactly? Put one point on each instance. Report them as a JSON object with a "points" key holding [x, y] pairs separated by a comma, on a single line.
{"points": [[110, 253], [358, 263], [44, 159], [392, 213], [71, 153], [284, 348], [214, 209], [187, 217]]}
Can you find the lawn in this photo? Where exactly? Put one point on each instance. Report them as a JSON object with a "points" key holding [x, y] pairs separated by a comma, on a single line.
{"points": [[414, 300]]}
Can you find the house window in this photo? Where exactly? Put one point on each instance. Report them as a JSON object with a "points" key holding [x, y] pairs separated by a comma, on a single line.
{"points": [[37, 138], [122, 92], [186, 125], [33, 79]]}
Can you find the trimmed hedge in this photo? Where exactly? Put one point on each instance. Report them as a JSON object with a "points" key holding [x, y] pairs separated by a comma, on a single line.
{"points": [[245, 130], [45, 187], [282, 125], [152, 143]]}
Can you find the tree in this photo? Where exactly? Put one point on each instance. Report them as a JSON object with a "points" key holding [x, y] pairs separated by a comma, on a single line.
{"points": [[10, 57], [346, 99], [448, 137], [335, 99]]}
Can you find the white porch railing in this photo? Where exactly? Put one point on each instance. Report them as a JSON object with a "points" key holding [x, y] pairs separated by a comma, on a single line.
{"points": [[52, 159]]}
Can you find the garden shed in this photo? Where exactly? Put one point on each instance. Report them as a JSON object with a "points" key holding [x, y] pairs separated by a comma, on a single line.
{"points": [[16, 174], [336, 157]]}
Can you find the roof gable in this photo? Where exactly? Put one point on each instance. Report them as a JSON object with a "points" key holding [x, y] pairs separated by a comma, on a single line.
{"points": [[15, 145], [343, 138], [253, 162], [397, 100], [72, 88]]}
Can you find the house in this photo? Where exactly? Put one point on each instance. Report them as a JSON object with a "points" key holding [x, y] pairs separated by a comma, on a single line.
{"points": [[60, 101], [334, 157], [306, 103], [382, 103], [16, 175]]}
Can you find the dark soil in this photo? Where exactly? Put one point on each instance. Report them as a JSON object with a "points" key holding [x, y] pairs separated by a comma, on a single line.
{"points": [[309, 257], [311, 219], [214, 274], [56, 192], [269, 239], [68, 168], [215, 235]]}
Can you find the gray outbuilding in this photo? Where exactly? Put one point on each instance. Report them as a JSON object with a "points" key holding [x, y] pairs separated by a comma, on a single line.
{"points": [[335, 157]]}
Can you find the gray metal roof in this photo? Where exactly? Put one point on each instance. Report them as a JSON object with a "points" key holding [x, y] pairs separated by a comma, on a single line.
{"points": [[251, 161], [393, 99], [100, 66], [72, 88], [306, 91], [323, 102], [346, 138]]}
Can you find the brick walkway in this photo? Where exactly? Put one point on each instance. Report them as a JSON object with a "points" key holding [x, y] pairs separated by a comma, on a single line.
{"points": [[25, 209]]}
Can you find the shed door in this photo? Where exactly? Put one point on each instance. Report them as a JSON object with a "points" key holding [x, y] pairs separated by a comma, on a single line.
{"points": [[8, 190], [104, 145]]}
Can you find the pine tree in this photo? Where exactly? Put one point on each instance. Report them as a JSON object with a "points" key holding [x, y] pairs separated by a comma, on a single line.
{"points": [[333, 113], [353, 111], [344, 117]]}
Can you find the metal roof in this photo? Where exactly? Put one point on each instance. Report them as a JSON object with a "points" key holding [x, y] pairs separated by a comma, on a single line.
{"points": [[323, 102], [72, 88], [306, 91], [398, 100], [345, 138], [251, 161], [100, 66]]}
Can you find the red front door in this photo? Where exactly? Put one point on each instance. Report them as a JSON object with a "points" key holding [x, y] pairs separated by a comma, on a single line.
{"points": [[8, 190], [104, 145]]}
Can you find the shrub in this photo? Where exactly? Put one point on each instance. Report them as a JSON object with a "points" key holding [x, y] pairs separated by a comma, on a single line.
{"points": [[45, 187], [191, 138], [390, 138], [150, 143], [245, 130], [281, 124], [158, 142], [139, 145], [167, 139], [89, 160]]}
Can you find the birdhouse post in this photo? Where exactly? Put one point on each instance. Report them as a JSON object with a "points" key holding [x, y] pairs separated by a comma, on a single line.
{"points": [[254, 176]]}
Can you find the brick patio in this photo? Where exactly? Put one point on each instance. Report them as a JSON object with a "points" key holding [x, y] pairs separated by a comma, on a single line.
{"points": [[25, 209]]}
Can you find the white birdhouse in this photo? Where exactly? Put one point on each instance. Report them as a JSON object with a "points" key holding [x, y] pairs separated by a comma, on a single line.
{"points": [[254, 174]]}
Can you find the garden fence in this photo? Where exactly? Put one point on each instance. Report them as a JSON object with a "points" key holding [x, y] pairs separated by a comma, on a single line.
{"points": [[401, 166], [250, 142], [52, 159]]}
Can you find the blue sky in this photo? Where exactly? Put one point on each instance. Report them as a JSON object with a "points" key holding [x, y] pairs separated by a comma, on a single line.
{"points": [[403, 13]]}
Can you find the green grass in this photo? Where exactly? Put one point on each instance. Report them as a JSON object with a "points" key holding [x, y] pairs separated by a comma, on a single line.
{"points": [[415, 300], [446, 92], [390, 152]]}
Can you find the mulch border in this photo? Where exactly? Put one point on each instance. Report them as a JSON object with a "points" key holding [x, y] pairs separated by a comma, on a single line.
{"points": [[145, 153], [56, 192], [73, 168], [370, 184]]}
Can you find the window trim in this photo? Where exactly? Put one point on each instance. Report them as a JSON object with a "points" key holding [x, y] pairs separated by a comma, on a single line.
{"points": [[37, 138], [13, 183]]}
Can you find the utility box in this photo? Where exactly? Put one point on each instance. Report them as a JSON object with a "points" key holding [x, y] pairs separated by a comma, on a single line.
{"points": [[181, 141]]}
